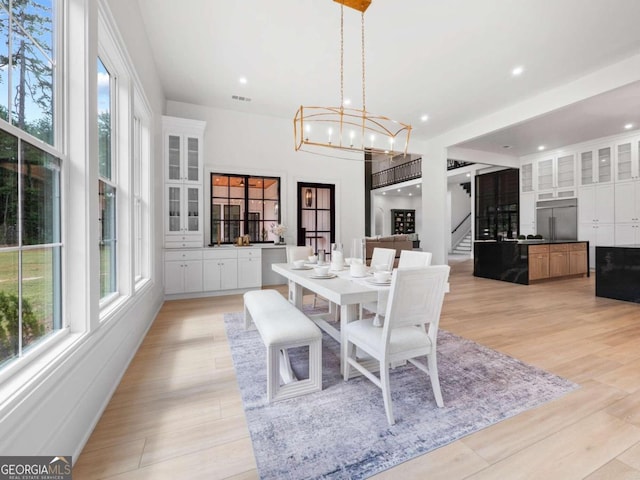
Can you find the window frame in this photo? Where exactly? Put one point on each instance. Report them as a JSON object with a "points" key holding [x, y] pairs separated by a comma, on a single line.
{"points": [[244, 221]]}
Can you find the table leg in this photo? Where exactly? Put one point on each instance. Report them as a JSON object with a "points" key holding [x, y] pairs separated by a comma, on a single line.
{"points": [[296, 294], [348, 313]]}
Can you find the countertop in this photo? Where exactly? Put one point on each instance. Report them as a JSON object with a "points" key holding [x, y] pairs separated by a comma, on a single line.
{"points": [[531, 242], [637, 245]]}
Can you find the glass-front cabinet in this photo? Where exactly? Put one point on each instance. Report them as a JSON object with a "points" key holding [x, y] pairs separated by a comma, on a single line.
{"points": [[595, 166], [183, 182]]}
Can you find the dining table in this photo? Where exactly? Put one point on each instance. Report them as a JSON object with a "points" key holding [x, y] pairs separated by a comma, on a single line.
{"points": [[339, 288]]}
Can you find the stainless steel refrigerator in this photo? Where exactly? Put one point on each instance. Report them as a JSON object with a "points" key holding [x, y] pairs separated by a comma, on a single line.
{"points": [[557, 219]]}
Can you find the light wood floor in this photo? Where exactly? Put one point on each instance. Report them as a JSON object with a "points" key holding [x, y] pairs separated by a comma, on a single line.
{"points": [[178, 415]]}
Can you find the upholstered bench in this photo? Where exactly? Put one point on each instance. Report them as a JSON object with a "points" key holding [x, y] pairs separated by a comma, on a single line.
{"points": [[281, 326]]}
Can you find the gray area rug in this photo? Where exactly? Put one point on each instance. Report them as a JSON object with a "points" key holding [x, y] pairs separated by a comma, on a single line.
{"points": [[342, 432]]}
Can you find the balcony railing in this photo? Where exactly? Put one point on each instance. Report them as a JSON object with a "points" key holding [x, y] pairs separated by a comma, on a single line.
{"points": [[400, 173]]}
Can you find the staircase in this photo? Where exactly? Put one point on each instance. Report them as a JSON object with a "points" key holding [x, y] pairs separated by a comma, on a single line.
{"points": [[464, 247]]}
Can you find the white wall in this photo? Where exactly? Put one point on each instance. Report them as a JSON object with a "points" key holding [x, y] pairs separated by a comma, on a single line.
{"points": [[58, 407], [236, 142], [381, 206], [460, 204]]}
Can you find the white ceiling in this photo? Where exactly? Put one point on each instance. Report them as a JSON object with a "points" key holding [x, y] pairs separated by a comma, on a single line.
{"points": [[449, 59]]}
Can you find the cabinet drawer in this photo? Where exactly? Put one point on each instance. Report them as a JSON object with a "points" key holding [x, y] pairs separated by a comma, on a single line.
{"points": [[538, 249], [559, 247], [223, 252], [183, 244], [249, 253], [578, 247], [183, 255]]}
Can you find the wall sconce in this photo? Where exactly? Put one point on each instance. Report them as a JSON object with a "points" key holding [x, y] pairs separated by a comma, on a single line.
{"points": [[308, 197]]}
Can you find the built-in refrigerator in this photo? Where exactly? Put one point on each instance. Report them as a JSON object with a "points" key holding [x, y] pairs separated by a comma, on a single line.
{"points": [[557, 219]]}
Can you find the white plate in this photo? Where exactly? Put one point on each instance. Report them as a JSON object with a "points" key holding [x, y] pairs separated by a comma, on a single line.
{"points": [[337, 269], [330, 275], [302, 268], [375, 282], [360, 276]]}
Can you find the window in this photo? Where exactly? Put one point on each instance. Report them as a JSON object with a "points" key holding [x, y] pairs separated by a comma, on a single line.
{"points": [[106, 187], [141, 179], [244, 205], [27, 66], [30, 245]]}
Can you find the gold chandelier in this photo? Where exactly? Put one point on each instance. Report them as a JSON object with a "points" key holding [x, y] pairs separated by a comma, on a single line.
{"points": [[349, 129]]}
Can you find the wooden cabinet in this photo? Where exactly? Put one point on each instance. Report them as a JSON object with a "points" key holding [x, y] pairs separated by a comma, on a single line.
{"points": [[557, 260], [183, 182], [538, 262], [403, 221], [578, 259], [183, 272]]}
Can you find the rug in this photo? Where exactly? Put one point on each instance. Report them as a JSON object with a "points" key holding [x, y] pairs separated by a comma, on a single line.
{"points": [[342, 431]]}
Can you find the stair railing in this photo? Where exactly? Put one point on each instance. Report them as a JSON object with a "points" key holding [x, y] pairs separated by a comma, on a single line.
{"points": [[461, 230]]}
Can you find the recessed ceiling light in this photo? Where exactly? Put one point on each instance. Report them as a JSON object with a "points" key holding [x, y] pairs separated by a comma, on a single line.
{"points": [[424, 118], [243, 80], [418, 186], [541, 147], [506, 146], [628, 126], [517, 71], [468, 175], [399, 189], [347, 101], [410, 193], [384, 193]]}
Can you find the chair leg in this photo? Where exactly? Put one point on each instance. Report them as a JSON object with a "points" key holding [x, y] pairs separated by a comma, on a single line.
{"points": [[386, 392], [435, 381], [351, 353]]}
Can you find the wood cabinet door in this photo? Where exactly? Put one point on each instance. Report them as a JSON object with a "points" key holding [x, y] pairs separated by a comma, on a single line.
{"points": [[558, 264], [578, 262], [538, 266]]}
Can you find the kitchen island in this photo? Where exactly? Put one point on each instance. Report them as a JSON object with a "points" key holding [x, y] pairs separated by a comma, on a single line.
{"points": [[618, 272], [527, 261]]}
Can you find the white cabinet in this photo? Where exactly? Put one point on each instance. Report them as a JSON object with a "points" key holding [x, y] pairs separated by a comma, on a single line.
{"points": [[556, 177], [183, 271], [596, 216], [249, 268], [220, 269], [595, 166], [183, 226], [596, 204], [183, 182], [526, 178], [628, 213], [527, 214], [627, 159]]}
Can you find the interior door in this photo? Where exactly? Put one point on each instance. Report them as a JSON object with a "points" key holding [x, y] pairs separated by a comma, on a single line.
{"points": [[316, 215]]}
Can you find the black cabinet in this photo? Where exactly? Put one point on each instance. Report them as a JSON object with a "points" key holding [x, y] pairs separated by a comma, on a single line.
{"points": [[403, 221], [497, 205]]}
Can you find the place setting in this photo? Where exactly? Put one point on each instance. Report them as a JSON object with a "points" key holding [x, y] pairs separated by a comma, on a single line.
{"points": [[322, 272]]}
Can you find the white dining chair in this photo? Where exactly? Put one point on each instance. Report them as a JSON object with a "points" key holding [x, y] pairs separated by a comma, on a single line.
{"points": [[408, 258], [299, 253], [385, 257], [413, 258], [410, 330], [303, 253]]}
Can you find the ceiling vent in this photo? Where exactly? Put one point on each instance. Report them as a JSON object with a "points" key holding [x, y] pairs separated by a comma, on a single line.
{"points": [[506, 146], [241, 98]]}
